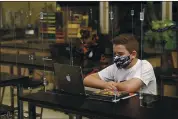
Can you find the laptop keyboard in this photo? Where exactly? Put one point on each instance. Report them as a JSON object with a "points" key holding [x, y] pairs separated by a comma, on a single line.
{"points": [[101, 98], [109, 98], [93, 96]]}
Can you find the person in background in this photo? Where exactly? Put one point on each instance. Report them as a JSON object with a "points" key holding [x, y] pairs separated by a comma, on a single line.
{"points": [[127, 73]]}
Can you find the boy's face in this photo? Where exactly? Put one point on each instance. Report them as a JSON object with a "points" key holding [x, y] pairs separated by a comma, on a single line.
{"points": [[122, 51]]}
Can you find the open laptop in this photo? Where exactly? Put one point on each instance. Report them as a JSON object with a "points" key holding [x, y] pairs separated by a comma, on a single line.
{"points": [[70, 80]]}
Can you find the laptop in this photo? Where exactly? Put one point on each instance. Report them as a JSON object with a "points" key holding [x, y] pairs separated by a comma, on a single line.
{"points": [[70, 80]]}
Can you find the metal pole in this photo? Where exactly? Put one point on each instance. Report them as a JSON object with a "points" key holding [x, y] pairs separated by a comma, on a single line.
{"points": [[1, 15], [141, 48]]}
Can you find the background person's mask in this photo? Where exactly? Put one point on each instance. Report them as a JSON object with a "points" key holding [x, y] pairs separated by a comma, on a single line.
{"points": [[122, 61]]}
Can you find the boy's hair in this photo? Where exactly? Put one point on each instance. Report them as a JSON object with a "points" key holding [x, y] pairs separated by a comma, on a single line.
{"points": [[128, 40]]}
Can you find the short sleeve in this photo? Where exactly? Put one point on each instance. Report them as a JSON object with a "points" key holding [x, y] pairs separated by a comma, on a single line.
{"points": [[145, 72], [107, 73]]}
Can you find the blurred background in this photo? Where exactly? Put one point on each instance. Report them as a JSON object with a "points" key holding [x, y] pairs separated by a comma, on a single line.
{"points": [[34, 35]]}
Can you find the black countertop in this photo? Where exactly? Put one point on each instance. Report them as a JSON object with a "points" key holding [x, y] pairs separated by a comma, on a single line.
{"points": [[165, 107], [34, 46], [7, 80], [24, 60]]}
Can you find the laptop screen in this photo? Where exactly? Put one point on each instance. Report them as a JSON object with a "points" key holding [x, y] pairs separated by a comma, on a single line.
{"points": [[69, 79]]}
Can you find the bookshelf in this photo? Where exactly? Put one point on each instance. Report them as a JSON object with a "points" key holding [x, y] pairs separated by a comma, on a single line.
{"points": [[49, 27]]}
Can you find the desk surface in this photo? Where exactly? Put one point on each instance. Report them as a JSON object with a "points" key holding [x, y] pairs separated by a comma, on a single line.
{"points": [[165, 108], [25, 45], [6, 79], [23, 60]]}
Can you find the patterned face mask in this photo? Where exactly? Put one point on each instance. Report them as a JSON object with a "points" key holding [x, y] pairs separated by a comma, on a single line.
{"points": [[122, 61]]}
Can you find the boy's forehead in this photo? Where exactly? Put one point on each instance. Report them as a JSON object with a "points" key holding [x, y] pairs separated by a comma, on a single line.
{"points": [[119, 47]]}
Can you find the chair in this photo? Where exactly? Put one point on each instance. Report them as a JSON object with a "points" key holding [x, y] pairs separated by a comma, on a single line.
{"points": [[5, 111], [28, 85], [165, 77], [157, 72], [171, 80]]}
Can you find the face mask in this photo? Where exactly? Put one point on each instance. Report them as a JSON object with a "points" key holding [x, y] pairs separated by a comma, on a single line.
{"points": [[122, 61]]}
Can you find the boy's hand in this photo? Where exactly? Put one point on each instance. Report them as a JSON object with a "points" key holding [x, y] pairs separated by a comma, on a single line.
{"points": [[110, 85]]}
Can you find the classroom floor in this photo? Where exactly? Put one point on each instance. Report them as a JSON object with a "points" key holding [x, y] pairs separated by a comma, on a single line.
{"points": [[47, 113]]}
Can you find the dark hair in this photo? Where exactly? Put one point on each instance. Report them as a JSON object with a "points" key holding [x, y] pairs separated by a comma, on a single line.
{"points": [[128, 40]]}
